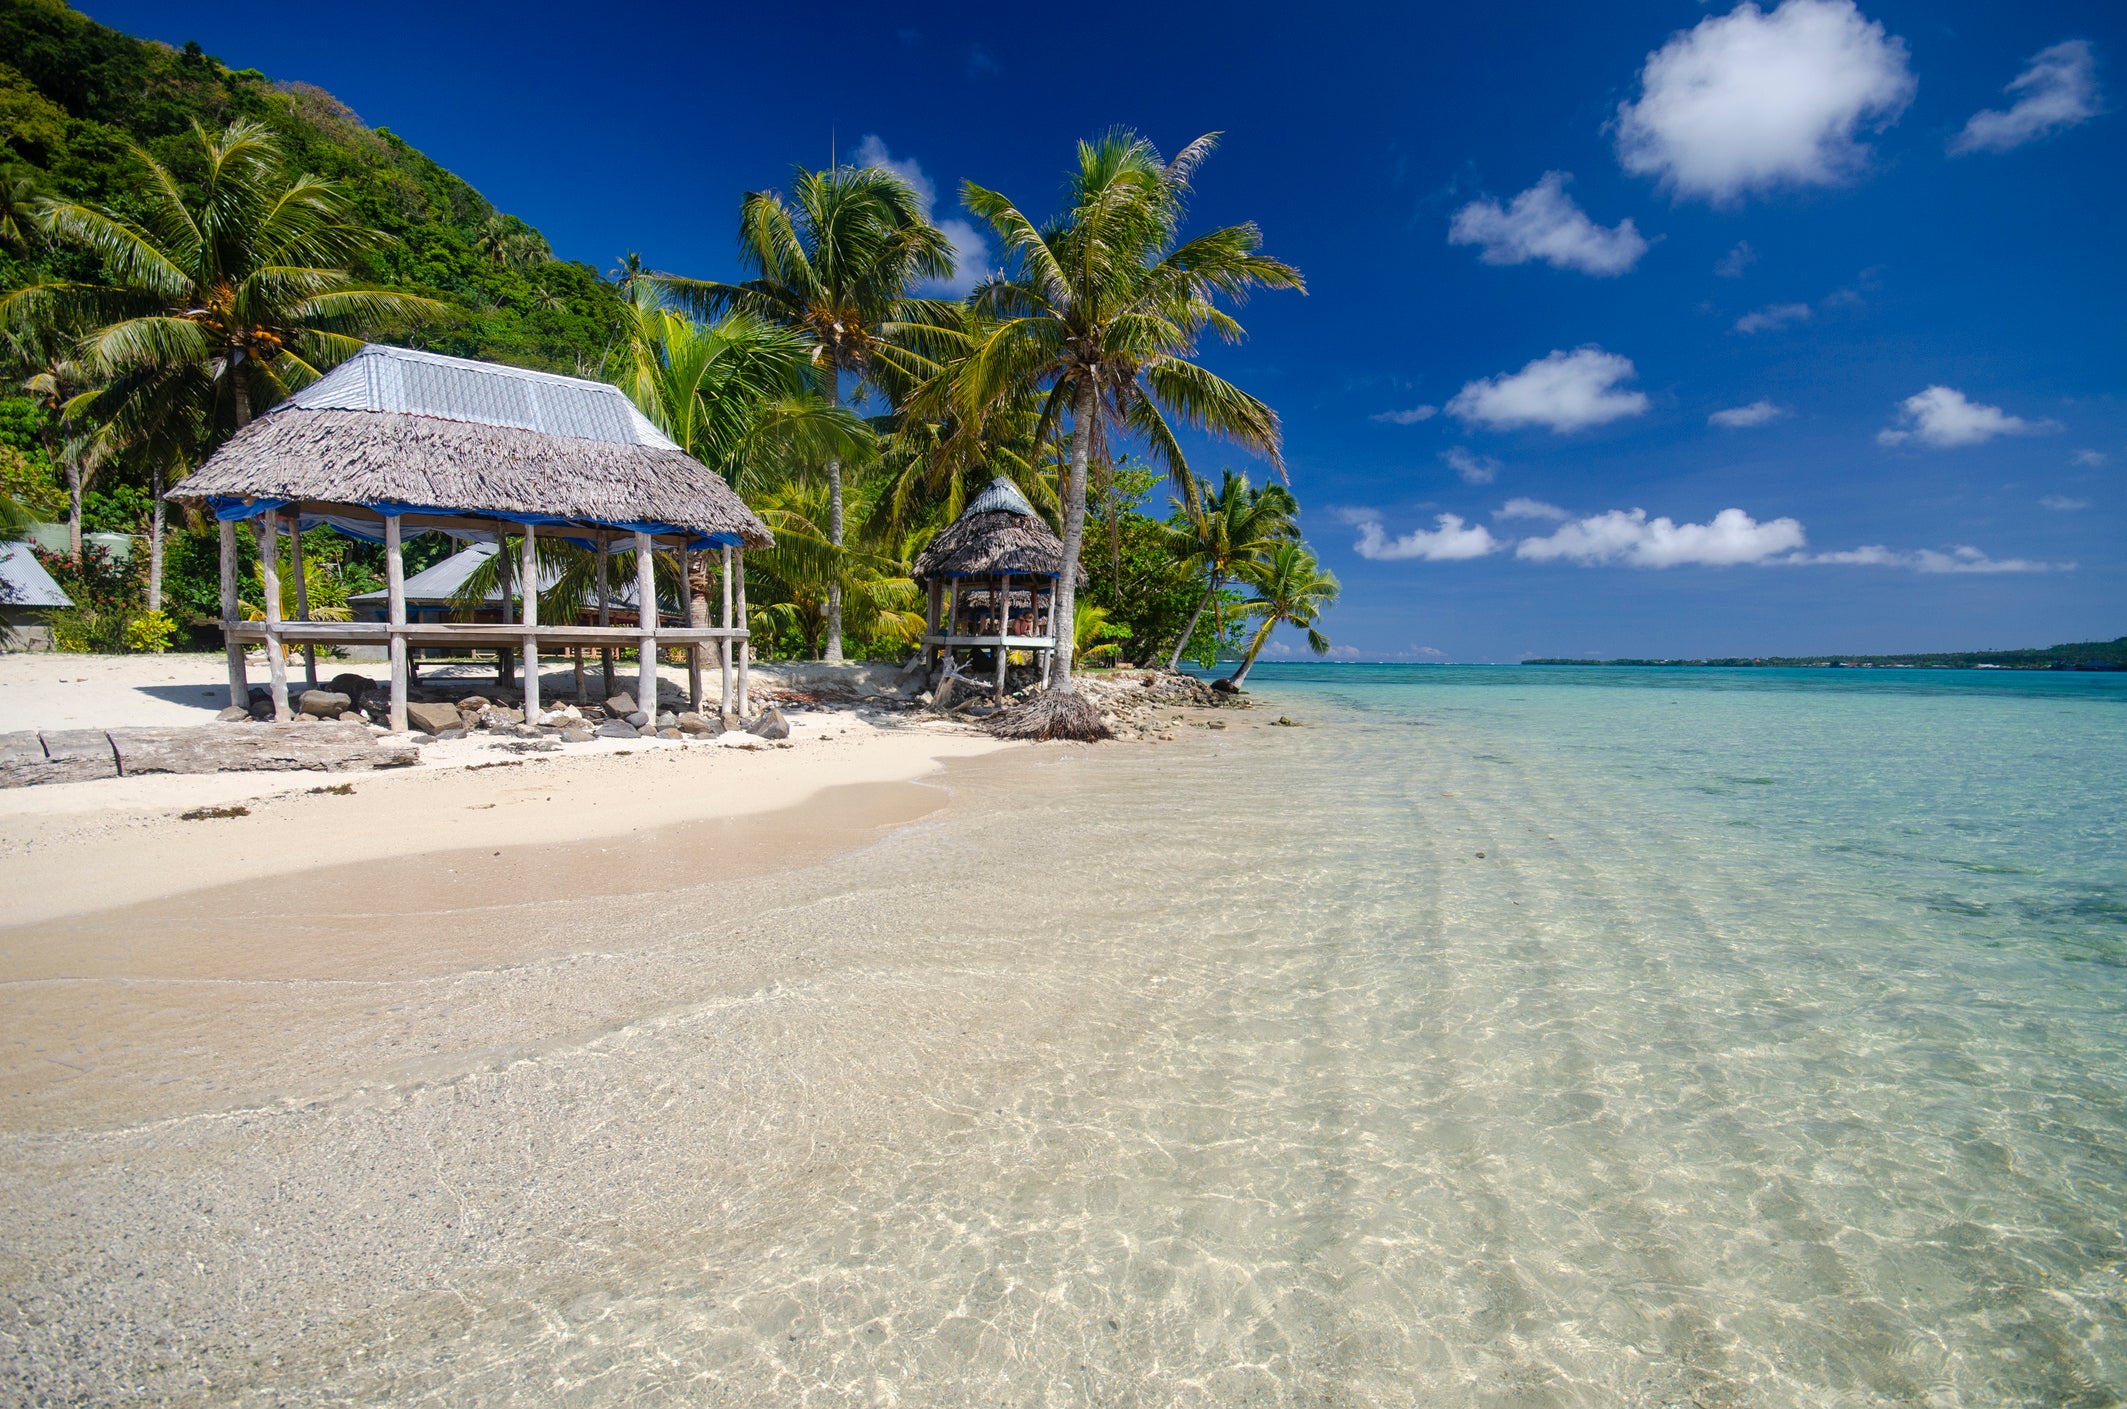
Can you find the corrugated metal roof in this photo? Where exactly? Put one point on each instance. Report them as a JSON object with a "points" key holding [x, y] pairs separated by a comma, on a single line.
{"points": [[381, 378], [1002, 497], [440, 581], [24, 582]]}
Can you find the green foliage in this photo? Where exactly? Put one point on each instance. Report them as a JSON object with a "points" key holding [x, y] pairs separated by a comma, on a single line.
{"points": [[192, 574], [21, 424], [75, 94], [150, 632], [27, 479], [1147, 589], [106, 596], [122, 508]]}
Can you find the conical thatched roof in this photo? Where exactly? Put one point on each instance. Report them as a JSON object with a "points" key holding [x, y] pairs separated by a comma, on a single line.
{"points": [[392, 426], [999, 532]]}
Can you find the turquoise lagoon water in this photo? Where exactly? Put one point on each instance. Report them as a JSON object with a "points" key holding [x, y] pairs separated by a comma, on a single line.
{"points": [[1503, 1037]]}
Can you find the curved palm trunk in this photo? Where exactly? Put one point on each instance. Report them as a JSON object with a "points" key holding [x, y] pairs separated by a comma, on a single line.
{"points": [[1248, 662], [156, 525], [1174, 662], [1083, 410], [76, 492], [834, 533]]}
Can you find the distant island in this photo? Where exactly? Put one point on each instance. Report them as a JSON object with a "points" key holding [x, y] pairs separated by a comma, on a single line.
{"points": [[2075, 655]]}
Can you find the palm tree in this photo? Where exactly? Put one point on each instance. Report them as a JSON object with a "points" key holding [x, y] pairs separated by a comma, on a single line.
{"points": [[57, 380], [1225, 531], [237, 280], [1102, 313], [1293, 588], [838, 263], [18, 208], [736, 395]]}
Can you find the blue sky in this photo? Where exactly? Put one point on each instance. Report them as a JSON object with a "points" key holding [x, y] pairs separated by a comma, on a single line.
{"points": [[1898, 277]]}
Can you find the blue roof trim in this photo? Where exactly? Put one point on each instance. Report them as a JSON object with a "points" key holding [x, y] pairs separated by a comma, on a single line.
{"points": [[228, 509]]}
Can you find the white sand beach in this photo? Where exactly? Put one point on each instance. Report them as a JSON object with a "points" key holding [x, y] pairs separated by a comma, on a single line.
{"points": [[68, 848]]}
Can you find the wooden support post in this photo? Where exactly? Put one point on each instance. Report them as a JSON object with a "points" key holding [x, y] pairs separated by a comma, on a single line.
{"points": [[503, 576], [269, 550], [239, 682], [302, 594], [738, 565], [952, 625], [530, 578], [395, 619], [1004, 628], [646, 622], [605, 615], [723, 648], [697, 615], [930, 627], [576, 664]]}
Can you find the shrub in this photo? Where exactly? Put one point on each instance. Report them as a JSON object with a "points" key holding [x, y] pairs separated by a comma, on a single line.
{"points": [[81, 630], [151, 632]]}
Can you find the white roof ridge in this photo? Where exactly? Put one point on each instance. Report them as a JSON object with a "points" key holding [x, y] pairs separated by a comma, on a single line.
{"points": [[381, 377]]}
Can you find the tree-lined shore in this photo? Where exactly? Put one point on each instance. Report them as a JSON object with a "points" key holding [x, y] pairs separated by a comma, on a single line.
{"points": [[183, 245], [2072, 655]]}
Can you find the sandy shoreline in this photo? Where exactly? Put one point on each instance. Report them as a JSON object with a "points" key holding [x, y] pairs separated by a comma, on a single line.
{"points": [[75, 848]]}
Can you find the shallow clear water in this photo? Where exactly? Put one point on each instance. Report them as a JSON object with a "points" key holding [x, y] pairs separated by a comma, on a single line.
{"points": [[1499, 1037]]}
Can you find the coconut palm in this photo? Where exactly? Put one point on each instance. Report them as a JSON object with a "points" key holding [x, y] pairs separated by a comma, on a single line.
{"points": [[1238, 525], [18, 209], [237, 278], [1102, 312], [838, 262], [57, 380], [1291, 587]]}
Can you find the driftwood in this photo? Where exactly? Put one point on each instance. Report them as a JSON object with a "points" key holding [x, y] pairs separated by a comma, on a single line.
{"points": [[73, 755]]}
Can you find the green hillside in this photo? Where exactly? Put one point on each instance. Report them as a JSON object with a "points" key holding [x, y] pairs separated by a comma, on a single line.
{"points": [[2072, 655], [74, 93]]}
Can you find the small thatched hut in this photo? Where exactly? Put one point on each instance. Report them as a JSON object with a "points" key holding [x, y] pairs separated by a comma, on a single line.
{"points": [[970, 569], [395, 441]]}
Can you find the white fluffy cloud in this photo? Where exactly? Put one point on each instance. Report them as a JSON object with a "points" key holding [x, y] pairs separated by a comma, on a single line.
{"points": [[1452, 541], [1963, 558], [1474, 469], [1750, 101], [2091, 458], [2064, 504], [1772, 316], [1565, 391], [971, 252], [2057, 89], [1941, 416], [1410, 417], [1544, 223], [1757, 413], [1525, 508], [1630, 537]]}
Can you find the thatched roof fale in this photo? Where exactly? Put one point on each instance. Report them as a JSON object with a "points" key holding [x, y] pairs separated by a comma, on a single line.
{"points": [[395, 428], [997, 533]]}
